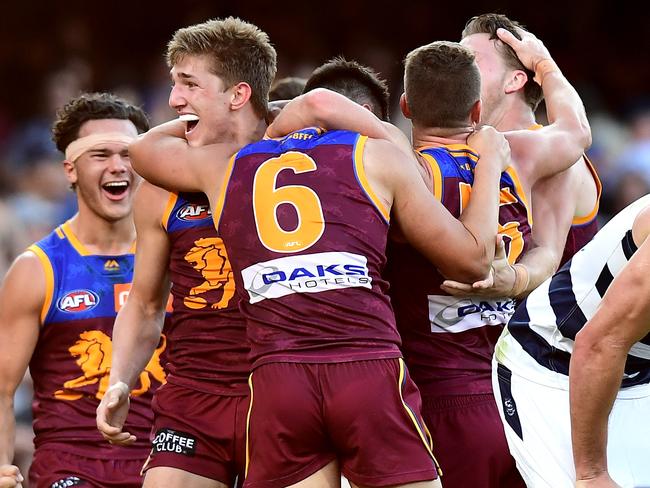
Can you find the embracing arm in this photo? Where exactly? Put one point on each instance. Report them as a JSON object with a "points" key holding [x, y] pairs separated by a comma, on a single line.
{"points": [[459, 248], [557, 146], [331, 111], [21, 300], [139, 323], [552, 217], [599, 355], [164, 157]]}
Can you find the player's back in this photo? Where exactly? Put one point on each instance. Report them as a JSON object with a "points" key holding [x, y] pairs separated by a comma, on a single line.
{"points": [[207, 334], [306, 237], [539, 337], [71, 362], [449, 340]]}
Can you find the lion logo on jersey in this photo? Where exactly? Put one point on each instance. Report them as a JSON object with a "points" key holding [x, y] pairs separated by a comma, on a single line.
{"points": [[209, 257], [93, 355]]}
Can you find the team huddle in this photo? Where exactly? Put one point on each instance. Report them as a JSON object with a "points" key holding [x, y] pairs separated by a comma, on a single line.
{"points": [[316, 298]]}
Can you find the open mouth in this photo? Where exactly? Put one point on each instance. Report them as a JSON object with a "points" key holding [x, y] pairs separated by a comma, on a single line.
{"points": [[191, 121], [116, 188]]}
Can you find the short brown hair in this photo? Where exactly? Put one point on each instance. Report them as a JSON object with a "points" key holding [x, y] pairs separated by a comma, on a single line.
{"points": [[488, 24], [239, 51], [442, 83], [287, 88], [93, 106], [359, 83]]}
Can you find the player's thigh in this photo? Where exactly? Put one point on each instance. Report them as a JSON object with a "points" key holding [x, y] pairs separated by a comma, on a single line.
{"points": [[327, 477], [166, 477]]}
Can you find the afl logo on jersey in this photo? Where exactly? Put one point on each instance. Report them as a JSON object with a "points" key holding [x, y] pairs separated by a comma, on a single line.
{"points": [[193, 211], [78, 301]]}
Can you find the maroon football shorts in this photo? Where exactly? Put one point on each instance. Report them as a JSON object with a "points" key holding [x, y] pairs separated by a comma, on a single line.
{"points": [[54, 468], [469, 441], [366, 414], [199, 432]]}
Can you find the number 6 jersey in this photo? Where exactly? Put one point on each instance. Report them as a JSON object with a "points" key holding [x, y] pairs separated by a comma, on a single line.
{"points": [[306, 236]]}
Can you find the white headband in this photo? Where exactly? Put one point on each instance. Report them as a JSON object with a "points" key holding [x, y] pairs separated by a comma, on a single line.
{"points": [[79, 146]]}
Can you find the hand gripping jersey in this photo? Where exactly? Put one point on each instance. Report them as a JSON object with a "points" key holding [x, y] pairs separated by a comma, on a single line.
{"points": [[208, 344], [538, 341], [306, 239], [449, 340], [72, 360]]}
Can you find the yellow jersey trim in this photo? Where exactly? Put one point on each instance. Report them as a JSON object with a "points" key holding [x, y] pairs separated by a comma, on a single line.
{"points": [[436, 175], [221, 198], [599, 190], [171, 201], [363, 180], [76, 243], [49, 279]]}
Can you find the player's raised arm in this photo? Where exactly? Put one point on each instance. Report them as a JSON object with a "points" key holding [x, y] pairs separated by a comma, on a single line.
{"points": [[164, 157], [599, 357], [22, 298], [139, 323], [568, 134]]}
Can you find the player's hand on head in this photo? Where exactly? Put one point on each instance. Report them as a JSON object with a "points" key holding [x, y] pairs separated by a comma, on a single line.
{"points": [[111, 415], [491, 146], [499, 282], [529, 49], [10, 476]]}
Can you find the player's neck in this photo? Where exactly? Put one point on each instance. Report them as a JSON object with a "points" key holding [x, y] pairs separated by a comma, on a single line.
{"points": [[247, 128], [439, 136], [515, 116], [101, 236]]}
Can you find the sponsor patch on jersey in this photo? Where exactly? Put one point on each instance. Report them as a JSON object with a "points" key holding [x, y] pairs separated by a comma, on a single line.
{"points": [[78, 301], [169, 440], [193, 211], [121, 293], [307, 273], [453, 314], [65, 482]]}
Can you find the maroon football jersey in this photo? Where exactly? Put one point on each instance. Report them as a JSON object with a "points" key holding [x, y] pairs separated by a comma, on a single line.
{"points": [[448, 341], [71, 364], [208, 345], [306, 237]]}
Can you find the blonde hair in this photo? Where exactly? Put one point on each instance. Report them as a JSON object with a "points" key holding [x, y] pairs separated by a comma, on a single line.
{"points": [[238, 51]]}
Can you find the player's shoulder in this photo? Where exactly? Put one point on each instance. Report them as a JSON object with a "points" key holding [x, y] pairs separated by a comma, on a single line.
{"points": [[151, 200], [641, 226]]}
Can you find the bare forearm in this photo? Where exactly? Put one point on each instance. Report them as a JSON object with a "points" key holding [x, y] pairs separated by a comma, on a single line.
{"points": [[540, 264], [480, 217], [595, 377], [329, 110], [135, 336], [158, 156], [564, 106], [7, 429]]}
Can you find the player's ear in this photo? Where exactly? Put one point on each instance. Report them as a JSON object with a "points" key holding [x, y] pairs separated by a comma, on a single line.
{"points": [[404, 106], [475, 112], [241, 93], [70, 170], [516, 82]]}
